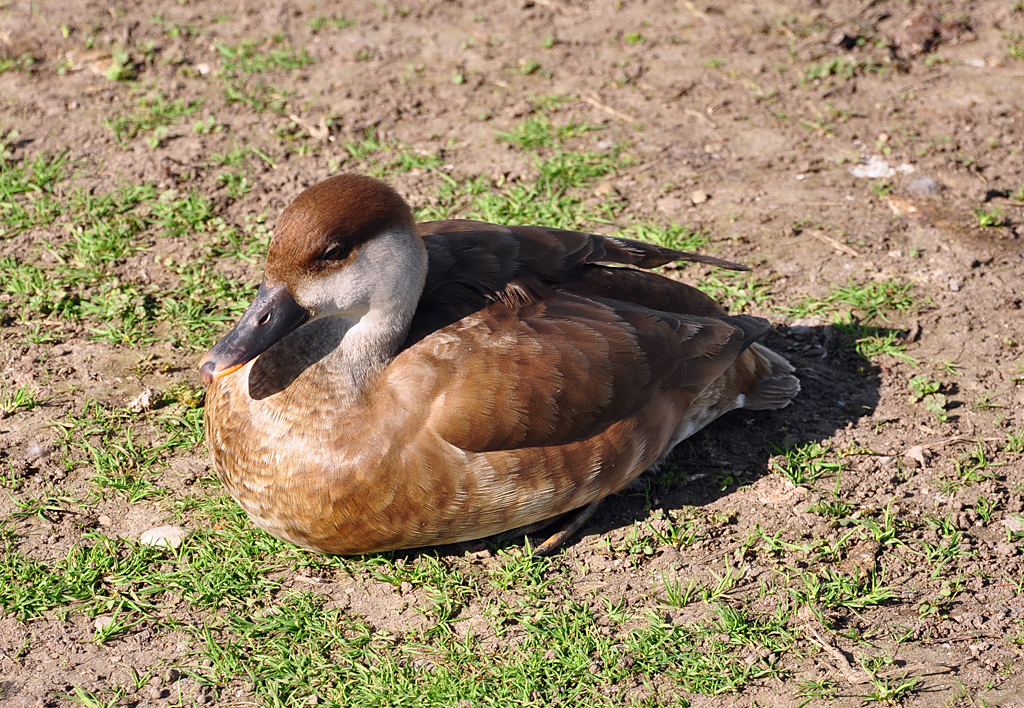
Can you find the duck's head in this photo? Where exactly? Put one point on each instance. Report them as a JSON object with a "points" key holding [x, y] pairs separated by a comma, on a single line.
{"points": [[345, 247]]}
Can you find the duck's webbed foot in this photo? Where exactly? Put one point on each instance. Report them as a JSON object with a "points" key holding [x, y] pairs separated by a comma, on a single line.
{"points": [[574, 522]]}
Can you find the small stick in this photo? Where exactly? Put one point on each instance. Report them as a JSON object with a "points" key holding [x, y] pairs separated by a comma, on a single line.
{"points": [[593, 101], [560, 8], [700, 116], [852, 675], [694, 11], [316, 131], [835, 244]]}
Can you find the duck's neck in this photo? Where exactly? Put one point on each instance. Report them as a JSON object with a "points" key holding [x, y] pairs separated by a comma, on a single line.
{"points": [[368, 339], [364, 348]]}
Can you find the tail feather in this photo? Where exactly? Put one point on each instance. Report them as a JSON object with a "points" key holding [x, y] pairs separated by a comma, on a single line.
{"points": [[752, 327], [778, 388]]}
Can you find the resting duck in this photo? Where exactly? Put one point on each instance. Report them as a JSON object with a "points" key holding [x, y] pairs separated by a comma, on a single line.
{"points": [[396, 385]]}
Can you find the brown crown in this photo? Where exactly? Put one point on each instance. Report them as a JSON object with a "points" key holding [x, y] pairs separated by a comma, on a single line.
{"points": [[347, 210]]}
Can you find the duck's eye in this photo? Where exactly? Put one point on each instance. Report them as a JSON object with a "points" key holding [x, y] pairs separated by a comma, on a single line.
{"points": [[335, 253]]}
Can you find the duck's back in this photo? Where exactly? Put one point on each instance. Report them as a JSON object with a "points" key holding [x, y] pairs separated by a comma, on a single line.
{"points": [[475, 263]]}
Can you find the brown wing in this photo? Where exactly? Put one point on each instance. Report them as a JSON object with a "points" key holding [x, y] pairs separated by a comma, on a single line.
{"points": [[473, 264], [563, 369], [541, 249]]}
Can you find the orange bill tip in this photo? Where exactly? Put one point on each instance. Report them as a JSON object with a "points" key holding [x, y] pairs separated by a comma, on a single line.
{"points": [[229, 370]]}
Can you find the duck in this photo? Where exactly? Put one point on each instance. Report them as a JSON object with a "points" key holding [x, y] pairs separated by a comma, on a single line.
{"points": [[396, 385]]}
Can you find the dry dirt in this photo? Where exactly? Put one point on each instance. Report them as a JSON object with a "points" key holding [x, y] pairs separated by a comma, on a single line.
{"points": [[716, 99]]}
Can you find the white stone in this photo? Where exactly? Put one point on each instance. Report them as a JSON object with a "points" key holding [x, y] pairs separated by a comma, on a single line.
{"points": [[164, 536], [873, 168], [144, 401], [1013, 522]]}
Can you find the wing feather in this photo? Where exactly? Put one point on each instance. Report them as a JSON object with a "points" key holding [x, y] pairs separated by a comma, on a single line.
{"points": [[562, 370]]}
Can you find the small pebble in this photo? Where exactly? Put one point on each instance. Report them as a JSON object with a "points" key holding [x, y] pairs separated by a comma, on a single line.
{"points": [[1013, 523], [805, 326], [164, 536], [34, 451], [841, 39], [102, 622], [872, 168], [144, 401], [924, 187], [699, 197]]}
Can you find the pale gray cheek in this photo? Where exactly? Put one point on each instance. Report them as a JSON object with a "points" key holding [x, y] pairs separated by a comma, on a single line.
{"points": [[386, 271], [331, 291]]}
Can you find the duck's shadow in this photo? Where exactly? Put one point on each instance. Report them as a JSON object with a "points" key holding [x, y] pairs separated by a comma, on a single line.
{"points": [[282, 364], [838, 387]]}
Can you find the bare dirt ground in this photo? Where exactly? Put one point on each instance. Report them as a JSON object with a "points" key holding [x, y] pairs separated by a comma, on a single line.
{"points": [[873, 146]]}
